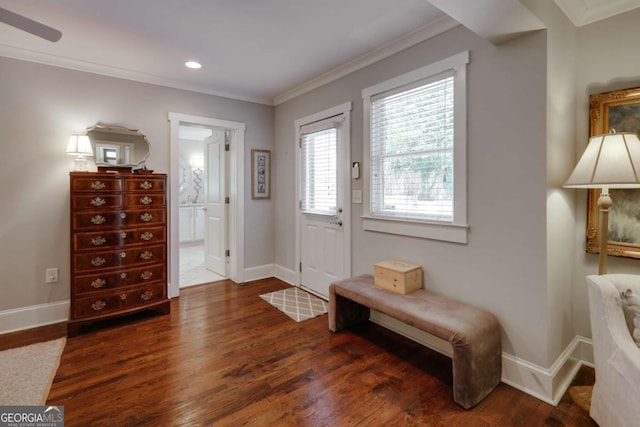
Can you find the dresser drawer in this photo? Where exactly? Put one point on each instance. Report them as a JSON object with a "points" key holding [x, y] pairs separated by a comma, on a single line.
{"points": [[125, 299], [145, 185], [96, 201], [144, 200], [100, 282], [107, 184], [147, 216], [107, 220], [104, 260], [118, 238], [117, 219]]}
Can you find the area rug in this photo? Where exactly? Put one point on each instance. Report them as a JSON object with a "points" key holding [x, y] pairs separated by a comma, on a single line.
{"points": [[26, 373], [296, 303]]}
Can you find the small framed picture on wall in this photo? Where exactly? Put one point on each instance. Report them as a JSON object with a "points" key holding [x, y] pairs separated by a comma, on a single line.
{"points": [[260, 174]]}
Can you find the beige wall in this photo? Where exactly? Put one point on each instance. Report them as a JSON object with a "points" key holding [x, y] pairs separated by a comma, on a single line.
{"points": [[503, 268], [40, 107], [561, 206], [607, 60]]}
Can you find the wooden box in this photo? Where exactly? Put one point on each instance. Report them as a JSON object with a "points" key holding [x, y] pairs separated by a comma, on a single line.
{"points": [[397, 276]]}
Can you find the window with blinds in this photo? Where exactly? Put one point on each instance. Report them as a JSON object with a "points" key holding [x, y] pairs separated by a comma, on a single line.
{"points": [[415, 152], [319, 149], [412, 134]]}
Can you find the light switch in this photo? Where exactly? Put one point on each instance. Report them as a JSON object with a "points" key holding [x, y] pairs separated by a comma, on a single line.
{"points": [[356, 196]]}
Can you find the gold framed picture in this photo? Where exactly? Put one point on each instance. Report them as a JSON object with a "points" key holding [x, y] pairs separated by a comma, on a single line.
{"points": [[619, 110]]}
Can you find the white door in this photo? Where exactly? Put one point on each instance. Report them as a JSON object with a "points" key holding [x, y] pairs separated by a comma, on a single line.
{"points": [[215, 226], [322, 205]]}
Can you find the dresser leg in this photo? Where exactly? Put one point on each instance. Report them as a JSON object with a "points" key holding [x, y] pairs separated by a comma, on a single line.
{"points": [[164, 308], [72, 329]]}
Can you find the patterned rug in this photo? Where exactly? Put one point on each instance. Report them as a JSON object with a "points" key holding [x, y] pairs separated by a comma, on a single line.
{"points": [[296, 303], [26, 373]]}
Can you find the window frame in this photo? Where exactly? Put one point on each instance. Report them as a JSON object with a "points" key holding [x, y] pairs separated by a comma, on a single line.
{"points": [[452, 231]]}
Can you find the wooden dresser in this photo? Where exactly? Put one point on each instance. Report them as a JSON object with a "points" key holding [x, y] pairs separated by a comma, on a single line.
{"points": [[118, 246]]}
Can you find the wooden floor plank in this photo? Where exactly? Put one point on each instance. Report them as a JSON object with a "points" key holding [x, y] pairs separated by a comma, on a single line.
{"points": [[226, 357]]}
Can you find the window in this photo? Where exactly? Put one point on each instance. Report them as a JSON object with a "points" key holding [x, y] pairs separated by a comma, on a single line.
{"points": [[415, 145], [319, 187]]}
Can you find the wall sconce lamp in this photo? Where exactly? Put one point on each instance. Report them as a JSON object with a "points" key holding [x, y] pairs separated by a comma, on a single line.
{"points": [[610, 161], [80, 146]]}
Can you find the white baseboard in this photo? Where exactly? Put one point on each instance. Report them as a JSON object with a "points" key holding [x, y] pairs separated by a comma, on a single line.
{"points": [[258, 272], [546, 384], [286, 275], [34, 316]]}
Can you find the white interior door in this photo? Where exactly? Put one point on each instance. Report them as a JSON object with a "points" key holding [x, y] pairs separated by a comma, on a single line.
{"points": [[322, 190], [215, 225]]}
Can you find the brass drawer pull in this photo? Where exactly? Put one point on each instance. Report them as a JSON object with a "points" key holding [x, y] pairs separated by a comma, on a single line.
{"points": [[98, 305], [123, 235], [146, 275], [146, 217], [123, 254], [98, 283], [146, 185], [146, 200], [146, 255], [146, 236], [98, 201], [98, 185], [123, 215], [146, 295], [98, 261], [98, 241], [123, 297], [98, 219], [123, 275]]}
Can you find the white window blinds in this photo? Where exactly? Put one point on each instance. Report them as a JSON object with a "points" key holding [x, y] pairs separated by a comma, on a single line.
{"points": [[412, 143], [319, 148]]}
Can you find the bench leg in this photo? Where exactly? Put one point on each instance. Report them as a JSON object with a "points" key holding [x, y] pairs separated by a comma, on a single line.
{"points": [[343, 312], [477, 368]]}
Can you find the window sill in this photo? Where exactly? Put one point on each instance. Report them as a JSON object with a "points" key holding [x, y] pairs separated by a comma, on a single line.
{"points": [[456, 233]]}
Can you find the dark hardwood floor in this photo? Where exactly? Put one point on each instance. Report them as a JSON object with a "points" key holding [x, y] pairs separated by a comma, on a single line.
{"points": [[226, 357]]}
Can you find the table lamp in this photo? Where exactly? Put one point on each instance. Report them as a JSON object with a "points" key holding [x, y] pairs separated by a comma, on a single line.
{"points": [[610, 161], [80, 146]]}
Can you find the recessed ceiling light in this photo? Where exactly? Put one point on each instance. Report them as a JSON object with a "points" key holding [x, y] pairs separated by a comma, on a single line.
{"points": [[193, 64]]}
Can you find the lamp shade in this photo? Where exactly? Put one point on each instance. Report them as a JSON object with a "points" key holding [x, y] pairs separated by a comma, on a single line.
{"points": [[610, 161], [79, 145]]}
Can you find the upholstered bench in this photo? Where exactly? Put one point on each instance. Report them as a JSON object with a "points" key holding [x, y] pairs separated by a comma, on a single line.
{"points": [[473, 333]]}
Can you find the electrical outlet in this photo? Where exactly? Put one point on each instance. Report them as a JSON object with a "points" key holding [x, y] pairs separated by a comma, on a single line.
{"points": [[51, 275], [356, 196]]}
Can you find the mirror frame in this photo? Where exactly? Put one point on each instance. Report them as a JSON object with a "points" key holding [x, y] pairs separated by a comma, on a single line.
{"points": [[118, 130]]}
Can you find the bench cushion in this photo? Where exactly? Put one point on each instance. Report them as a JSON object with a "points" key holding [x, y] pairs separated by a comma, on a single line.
{"points": [[474, 333]]}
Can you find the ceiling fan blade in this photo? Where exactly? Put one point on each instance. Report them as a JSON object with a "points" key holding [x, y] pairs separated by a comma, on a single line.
{"points": [[29, 25]]}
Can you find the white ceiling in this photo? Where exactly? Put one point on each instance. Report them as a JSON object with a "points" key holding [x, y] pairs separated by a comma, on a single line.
{"points": [[263, 51], [249, 49]]}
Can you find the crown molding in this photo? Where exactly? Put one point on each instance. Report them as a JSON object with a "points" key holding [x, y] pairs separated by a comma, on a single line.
{"points": [[121, 73], [581, 14], [427, 31]]}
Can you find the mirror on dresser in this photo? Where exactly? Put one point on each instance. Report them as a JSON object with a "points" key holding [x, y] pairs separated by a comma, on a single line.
{"points": [[118, 147]]}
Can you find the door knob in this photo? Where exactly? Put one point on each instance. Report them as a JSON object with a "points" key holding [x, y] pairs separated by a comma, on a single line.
{"points": [[338, 223]]}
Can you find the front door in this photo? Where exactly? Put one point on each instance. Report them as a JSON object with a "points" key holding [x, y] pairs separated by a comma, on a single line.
{"points": [[322, 215], [216, 209]]}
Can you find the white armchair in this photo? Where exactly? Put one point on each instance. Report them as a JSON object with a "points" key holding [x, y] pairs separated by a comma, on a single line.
{"points": [[617, 358]]}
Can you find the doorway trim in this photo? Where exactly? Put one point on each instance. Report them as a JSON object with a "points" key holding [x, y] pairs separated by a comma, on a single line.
{"points": [[344, 109], [236, 194]]}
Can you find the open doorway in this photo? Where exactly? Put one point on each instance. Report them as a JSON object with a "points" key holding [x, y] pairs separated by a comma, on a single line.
{"points": [[232, 203], [202, 179]]}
